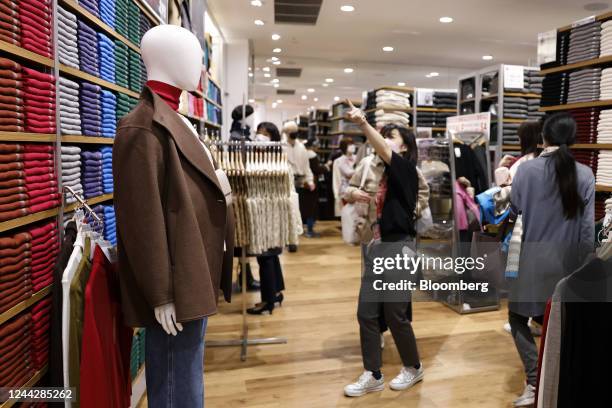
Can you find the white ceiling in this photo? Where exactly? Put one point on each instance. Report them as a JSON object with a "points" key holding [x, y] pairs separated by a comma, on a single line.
{"points": [[506, 29]]}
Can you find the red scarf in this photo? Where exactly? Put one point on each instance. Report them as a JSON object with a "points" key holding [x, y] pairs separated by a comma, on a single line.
{"points": [[170, 94]]}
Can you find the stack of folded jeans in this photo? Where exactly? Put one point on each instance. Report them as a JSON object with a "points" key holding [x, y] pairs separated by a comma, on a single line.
{"points": [[107, 169], [41, 323], [135, 75], [109, 113], [523, 89], [67, 38], [533, 106], [36, 26], [606, 84], [71, 171], [604, 127], [106, 54], [121, 17], [516, 108], [88, 49], [584, 42], [122, 64], [445, 100], [586, 121], [91, 162], [13, 197], [91, 109], [535, 82], [39, 97], [133, 23], [606, 39], [10, 28], [604, 168], [584, 85], [510, 133], [107, 12], [41, 184], [91, 6], [18, 345], [110, 227], [70, 114], [554, 89], [12, 116]]}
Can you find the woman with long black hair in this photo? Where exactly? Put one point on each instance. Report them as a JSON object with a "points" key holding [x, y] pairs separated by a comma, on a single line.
{"points": [[394, 233], [556, 197]]}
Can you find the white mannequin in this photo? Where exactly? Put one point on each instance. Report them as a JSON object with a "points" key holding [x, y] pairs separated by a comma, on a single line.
{"points": [[172, 55]]}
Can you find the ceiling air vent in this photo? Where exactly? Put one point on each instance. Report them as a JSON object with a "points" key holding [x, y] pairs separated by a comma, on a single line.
{"points": [[289, 72], [285, 91], [297, 11]]}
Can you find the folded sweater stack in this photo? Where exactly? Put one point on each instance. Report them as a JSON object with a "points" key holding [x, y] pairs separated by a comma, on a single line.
{"points": [[584, 85], [10, 24], [91, 109], [606, 84], [71, 171], [39, 98], [604, 168], [70, 114], [67, 38], [584, 42], [12, 109], [35, 17], [604, 127]]}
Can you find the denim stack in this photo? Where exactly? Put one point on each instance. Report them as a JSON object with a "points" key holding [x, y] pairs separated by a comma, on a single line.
{"points": [[91, 6], [106, 49], [91, 109], [121, 17], [110, 227], [135, 75], [107, 12], [122, 64], [70, 114], [91, 167], [109, 113], [107, 169], [67, 38], [88, 49], [71, 171]]}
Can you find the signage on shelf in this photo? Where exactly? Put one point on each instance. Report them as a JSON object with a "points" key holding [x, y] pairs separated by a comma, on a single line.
{"points": [[547, 47], [425, 97], [475, 123], [583, 21], [514, 77]]}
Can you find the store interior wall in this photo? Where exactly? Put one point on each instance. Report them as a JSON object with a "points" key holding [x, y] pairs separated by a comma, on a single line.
{"points": [[236, 68]]}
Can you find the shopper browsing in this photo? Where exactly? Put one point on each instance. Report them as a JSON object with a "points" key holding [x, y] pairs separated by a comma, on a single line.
{"points": [[343, 169], [556, 197], [395, 208]]}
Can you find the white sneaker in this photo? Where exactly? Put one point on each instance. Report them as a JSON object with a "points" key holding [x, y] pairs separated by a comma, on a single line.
{"points": [[407, 378], [366, 383], [527, 398], [382, 341], [536, 329]]}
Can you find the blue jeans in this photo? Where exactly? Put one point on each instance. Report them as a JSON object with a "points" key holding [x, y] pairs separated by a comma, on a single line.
{"points": [[175, 366]]}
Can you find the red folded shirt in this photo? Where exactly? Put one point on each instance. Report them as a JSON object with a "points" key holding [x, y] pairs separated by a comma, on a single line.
{"points": [[37, 193], [11, 166], [37, 178], [31, 117], [30, 46], [37, 129], [31, 91], [8, 91], [30, 96], [30, 20], [10, 215], [42, 239], [7, 192], [6, 63], [38, 171], [13, 206], [40, 15], [42, 199], [13, 198], [45, 206], [37, 148], [10, 175], [43, 185], [35, 83], [42, 105], [13, 100], [11, 148], [38, 232], [11, 114], [39, 111], [31, 164], [37, 156]]}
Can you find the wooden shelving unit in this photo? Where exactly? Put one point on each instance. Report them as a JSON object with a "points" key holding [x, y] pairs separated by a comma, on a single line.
{"points": [[578, 65], [604, 189], [76, 8], [444, 110], [568, 106], [388, 110], [27, 137], [98, 81], [152, 17], [347, 133], [87, 139], [511, 147], [213, 125], [28, 219], [31, 383], [213, 102], [523, 95], [91, 202], [25, 54], [509, 120], [20, 307]]}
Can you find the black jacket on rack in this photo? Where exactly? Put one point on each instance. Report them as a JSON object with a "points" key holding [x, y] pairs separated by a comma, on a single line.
{"points": [[468, 165]]}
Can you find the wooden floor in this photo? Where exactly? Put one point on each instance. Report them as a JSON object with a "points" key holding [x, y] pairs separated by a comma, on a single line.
{"points": [[469, 360]]}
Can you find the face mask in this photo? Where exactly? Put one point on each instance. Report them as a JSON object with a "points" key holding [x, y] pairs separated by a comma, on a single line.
{"points": [[261, 138], [392, 145], [293, 136], [351, 149]]}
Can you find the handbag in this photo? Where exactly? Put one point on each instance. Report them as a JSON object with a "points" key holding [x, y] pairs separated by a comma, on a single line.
{"points": [[490, 248], [350, 216]]}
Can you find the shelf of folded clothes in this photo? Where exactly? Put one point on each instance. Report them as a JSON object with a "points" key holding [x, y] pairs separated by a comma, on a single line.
{"points": [[76, 139], [605, 189], [27, 137], [64, 69], [93, 19], [30, 383], [578, 105], [523, 95], [441, 110], [24, 54], [20, 307], [90, 202]]}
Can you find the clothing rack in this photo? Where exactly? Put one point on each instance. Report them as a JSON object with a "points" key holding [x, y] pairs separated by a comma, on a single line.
{"points": [[83, 204], [238, 174]]}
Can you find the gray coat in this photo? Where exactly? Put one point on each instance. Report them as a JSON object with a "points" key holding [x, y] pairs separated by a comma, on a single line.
{"points": [[552, 246]]}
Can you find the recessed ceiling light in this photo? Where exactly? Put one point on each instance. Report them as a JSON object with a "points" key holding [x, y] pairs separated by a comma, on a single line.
{"points": [[311, 90], [330, 80], [316, 99], [251, 100], [446, 20], [275, 81], [348, 70], [266, 69], [304, 97], [401, 84], [267, 75], [250, 68], [434, 74], [276, 85], [259, 22], [487, 57], [324, 85], [250, 75], [276, 37], [347, 8], [387, 49], [277, 50], [274, 58], [256, 3], [277, 62], [336, 98], [274, 105], [279, 101]]}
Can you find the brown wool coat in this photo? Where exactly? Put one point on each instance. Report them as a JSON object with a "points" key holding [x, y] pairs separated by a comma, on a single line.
{"points": [[172, 219]]}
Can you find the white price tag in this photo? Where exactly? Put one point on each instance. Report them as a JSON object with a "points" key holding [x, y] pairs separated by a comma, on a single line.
{"points": [[514, 76], [425, 97]]}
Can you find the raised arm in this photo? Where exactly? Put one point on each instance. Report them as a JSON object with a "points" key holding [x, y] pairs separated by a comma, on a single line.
{"points": [[378, 142]]}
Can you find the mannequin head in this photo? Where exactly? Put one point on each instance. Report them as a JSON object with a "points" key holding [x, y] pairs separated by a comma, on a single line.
{"points": [[172, 55]]}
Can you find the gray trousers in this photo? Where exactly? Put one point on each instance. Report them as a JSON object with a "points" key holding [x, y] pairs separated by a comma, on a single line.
{"points": [[525, 344]]}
